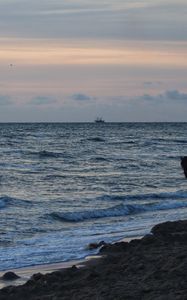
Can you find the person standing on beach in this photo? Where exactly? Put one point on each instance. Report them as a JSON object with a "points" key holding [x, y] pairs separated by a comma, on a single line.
{"points": [[184, 165]]}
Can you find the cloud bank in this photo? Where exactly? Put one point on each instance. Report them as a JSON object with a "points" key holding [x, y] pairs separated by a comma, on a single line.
{"points": [[167, 96], [81, 97], [150, 20], [42, 100]]}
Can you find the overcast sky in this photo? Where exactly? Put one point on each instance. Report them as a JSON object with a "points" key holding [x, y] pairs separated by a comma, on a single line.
{"points": [[74, 60]]}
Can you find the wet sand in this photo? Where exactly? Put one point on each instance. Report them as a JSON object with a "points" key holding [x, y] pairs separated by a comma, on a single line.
{"points": [[154, 267]]}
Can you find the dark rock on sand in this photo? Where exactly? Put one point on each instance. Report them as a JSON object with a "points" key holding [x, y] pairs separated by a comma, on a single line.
{"points": [[114, 248], [171, 231], [152, 268], [36, 277], [10, 276], [148, 239], [92, 246]]}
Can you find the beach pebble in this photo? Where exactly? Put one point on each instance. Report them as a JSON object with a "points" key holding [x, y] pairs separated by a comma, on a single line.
{"points": [[36, 276], [74, 268], [10, 276]]}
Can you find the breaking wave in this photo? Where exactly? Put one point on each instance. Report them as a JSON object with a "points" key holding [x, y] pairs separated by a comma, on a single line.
{"points": [[115, 211]]}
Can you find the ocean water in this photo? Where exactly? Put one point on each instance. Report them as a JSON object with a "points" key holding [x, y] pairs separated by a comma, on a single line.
{"points": [[63, 186]]}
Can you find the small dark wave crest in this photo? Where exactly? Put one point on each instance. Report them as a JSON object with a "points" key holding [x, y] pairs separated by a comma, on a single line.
{"points": [[148, 196], [166, 141], [96, 139], [115, 211], [99, 159], [8, 201], [3, 202], [46, 154]]}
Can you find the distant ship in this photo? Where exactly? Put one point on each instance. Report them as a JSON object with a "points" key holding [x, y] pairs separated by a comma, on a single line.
{"points": [[99, 120]]}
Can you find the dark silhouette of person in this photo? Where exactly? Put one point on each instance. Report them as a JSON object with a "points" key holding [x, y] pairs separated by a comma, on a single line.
{"points": [[184, 164]]}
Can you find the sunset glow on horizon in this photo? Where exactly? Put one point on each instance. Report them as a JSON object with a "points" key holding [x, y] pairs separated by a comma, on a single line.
{"points": [[47, 54], [108, 53]]}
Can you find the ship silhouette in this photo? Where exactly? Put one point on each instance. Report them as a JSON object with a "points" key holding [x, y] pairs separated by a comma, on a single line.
{"points": [[99, 120]]}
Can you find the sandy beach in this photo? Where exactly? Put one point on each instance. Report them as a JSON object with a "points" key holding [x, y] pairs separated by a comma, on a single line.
{"points": [[154, 267], [26, 273]]}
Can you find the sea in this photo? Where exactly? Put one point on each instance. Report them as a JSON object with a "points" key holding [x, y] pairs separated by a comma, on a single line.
{"points": [[66, 185]]}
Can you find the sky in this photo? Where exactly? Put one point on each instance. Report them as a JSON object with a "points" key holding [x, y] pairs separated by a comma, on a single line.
{"points": [[75, 60]]}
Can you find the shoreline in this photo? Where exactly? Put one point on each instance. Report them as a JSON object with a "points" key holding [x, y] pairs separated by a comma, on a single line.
{"points": [[151, 268], [25, 273]]}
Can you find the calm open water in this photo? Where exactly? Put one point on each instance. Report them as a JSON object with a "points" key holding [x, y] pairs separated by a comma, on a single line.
{"points": [[63, 186]]}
